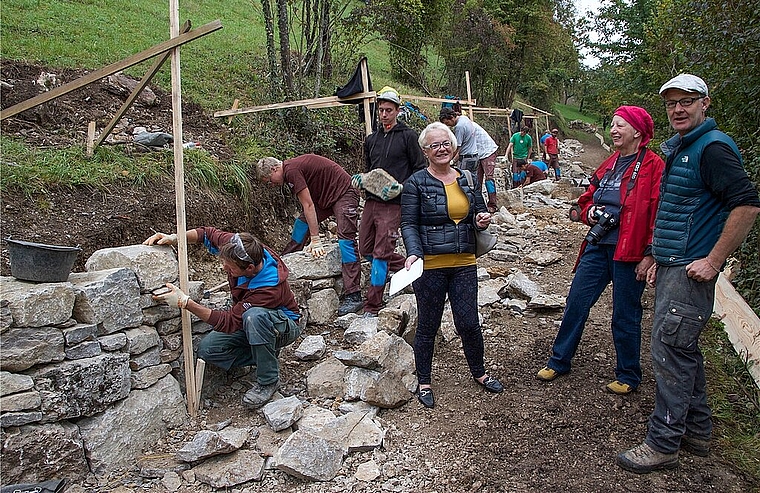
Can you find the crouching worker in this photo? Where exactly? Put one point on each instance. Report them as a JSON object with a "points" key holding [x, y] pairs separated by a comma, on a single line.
{"points": [[324, 189], [263, 316]]}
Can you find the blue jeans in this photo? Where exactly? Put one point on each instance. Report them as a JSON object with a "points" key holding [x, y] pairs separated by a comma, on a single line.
{"points": [[595, 271], [461, 284], [681, 310], [264, 332]]}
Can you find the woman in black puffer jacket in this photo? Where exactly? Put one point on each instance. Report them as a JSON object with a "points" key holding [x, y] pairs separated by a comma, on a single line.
{"points": [[439, 215]]}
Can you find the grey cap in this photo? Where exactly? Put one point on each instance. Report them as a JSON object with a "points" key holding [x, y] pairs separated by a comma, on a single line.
{"points": [[686, 82]]}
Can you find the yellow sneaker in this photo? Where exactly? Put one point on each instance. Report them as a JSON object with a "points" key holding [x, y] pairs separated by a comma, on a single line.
{"points": [[547, 374], [619, 388]]}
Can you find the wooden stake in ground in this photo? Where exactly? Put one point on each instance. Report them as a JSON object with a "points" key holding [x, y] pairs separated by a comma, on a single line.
{"points": [[469, 91], [179, 190]]}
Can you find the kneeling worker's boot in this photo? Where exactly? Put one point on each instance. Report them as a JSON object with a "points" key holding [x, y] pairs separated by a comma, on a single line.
{"points": [[259, 394], [352, 303]]}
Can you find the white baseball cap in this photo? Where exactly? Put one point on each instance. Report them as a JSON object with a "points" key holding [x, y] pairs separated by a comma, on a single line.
{"points": [[686, 82]]}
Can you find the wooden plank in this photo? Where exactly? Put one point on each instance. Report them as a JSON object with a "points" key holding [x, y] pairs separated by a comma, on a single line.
{"points": [[137, 90], [90, 138], [741, 324], [293, 104], [533, 108], [110, 69], [412, 97]]}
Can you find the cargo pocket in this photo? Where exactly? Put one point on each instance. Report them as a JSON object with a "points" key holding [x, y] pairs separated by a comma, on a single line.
{"points": [[682, 325]]}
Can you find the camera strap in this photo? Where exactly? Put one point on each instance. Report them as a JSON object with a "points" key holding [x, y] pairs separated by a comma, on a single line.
{"points": [[636, 169]]}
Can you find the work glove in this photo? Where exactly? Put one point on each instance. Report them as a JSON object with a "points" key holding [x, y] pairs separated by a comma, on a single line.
{"points": [[316, 248], [175, 296], [391, 191], [356, 181], [162, 239]]}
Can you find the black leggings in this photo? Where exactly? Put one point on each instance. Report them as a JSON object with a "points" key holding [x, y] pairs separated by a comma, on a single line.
{"points": [[461, 284]]}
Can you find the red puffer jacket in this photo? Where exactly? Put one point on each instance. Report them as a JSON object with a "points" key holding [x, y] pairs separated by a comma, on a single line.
{"points": [[639, 205]]}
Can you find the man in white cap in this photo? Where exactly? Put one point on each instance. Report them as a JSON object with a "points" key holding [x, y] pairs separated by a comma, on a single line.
{"points": [[394, 148], [707, 207]]}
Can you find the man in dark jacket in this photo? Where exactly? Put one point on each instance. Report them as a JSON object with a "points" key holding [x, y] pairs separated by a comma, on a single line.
{"points": [[394, 148], [263, 316], [707, 207]]}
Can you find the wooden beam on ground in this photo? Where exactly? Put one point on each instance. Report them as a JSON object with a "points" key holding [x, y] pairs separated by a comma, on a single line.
{"points": [[110, 69], [741, 324], [136, 91], [295, 104], [179, 191]]}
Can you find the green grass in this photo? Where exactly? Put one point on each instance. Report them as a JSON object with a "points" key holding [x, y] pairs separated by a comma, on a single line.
{"points": [[570, 113], [31, 170], [735, 402]]}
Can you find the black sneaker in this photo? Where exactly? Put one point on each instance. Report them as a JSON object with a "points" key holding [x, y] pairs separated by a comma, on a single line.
{"points": [[352, 303]]}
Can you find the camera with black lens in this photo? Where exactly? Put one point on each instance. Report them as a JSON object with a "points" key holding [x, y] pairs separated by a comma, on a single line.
{"points": [[605, 222]]}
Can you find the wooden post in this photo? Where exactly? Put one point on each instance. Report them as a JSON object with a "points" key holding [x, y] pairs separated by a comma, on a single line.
{"points": [[235, 105], [469, 92], [179, 190], [90, 138], [365, 101], [200, 371]]}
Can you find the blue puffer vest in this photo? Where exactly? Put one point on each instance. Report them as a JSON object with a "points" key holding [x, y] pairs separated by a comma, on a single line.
{"points": [[689, 217]]}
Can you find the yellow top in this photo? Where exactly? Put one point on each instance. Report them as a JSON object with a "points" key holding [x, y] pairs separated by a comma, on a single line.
{"points": [[459, 206]]}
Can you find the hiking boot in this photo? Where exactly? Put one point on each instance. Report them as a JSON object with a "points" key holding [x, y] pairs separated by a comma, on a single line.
{"points": [[619, 388], [259, 394], [695, 446], [352, 303], [547, 374], [644, 459]]}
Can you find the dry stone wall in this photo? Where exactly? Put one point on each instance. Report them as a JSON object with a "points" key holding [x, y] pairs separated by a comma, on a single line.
{"points": [[89, 368]]}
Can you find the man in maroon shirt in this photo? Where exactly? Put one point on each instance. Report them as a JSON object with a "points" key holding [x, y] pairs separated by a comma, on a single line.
{"points": [[324, 189], [551, 147], [532, 173], [264, 314]]}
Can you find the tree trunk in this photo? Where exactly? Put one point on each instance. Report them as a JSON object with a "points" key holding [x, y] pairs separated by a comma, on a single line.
{"points": [[284, 25], [274, 79]]}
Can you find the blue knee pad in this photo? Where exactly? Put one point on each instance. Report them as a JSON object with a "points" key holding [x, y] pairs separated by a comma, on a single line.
{"points": [[300, 229], [490, 186], [347, 251], [557, 172], [379, 272]]}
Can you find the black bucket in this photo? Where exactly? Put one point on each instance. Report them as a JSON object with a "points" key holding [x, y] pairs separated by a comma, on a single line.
{"points": [[39, 262]]}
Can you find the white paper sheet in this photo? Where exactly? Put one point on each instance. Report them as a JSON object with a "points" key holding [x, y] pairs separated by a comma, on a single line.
{"points": [[404, 278]]}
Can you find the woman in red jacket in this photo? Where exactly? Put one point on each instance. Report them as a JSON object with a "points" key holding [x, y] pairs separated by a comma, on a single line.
{"points": [[619, 205]]}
